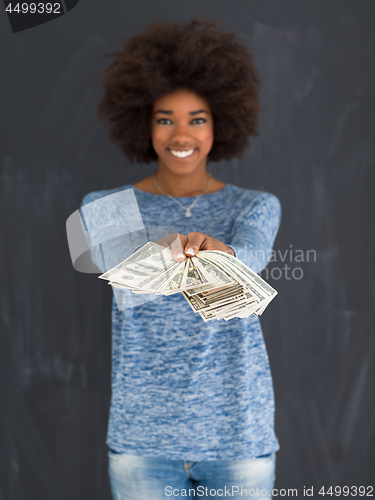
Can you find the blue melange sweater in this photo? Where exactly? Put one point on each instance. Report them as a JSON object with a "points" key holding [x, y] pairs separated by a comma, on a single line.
{"points": [[183, 388]]}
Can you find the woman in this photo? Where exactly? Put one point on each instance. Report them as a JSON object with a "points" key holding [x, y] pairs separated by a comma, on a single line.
{"points": [[192, 409]]}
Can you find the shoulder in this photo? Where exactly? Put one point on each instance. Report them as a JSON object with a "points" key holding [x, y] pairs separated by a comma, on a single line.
{"points": [[251, 199], [96, 195]]}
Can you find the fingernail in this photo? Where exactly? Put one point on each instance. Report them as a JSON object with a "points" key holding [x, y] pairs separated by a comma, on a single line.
{"points": [[190, 250], [180, 256]]}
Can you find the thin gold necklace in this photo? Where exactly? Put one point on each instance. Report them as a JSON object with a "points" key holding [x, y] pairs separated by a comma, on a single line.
{"points": [[187, 209]]}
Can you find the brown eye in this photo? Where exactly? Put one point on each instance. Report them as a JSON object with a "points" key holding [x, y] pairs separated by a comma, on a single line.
{"points": [[163, 121]]}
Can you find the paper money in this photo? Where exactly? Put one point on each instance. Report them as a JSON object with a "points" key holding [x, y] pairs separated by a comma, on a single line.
{"points": [[215, 284]]}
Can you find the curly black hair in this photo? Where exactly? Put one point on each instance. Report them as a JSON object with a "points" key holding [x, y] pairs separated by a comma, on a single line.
{"points": [[195, 55]]}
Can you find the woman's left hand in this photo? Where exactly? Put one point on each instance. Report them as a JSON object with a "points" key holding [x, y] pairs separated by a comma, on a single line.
{"points": [[191, 244]]}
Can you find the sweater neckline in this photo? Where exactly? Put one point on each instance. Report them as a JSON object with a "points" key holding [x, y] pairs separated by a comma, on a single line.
{"points": [[223, 190]]}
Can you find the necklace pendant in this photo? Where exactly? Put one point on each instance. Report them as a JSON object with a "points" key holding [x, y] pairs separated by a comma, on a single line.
{"points": [[188, 213]]}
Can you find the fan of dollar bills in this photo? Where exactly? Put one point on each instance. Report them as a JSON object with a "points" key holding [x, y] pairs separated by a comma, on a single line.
{"points": [[216, 284]]}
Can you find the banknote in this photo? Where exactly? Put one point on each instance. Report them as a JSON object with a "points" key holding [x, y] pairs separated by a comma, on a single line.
{"points": [[259, 288], [216, 285], [242, 268], [145, 268]]}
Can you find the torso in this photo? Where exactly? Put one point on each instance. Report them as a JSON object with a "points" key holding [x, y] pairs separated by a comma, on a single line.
{"points": [[166, 358], [149, 186]]}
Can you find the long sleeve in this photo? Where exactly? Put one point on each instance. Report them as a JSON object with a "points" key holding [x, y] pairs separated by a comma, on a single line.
{"points": [[96, 253], [255, 230], [113, 226]]}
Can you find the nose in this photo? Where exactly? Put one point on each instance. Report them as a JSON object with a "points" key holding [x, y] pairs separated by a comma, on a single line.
{"points": [[181, 134]]}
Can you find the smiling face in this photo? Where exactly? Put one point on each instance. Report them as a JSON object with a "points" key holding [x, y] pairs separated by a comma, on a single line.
{"points": [[182, 131]]}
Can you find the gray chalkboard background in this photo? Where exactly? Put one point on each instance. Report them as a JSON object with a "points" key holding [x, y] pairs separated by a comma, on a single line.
{"points": [[315, 151]]}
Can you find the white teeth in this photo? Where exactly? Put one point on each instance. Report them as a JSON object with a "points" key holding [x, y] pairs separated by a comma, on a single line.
{"points": [[182, 154]]}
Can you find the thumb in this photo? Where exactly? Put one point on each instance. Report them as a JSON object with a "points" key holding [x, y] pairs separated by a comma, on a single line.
{"points": [[177, 247]]}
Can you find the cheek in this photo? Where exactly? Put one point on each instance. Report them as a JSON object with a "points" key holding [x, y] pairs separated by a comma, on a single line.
{"points": [[154, 138], [157, 135], [210, 138]]}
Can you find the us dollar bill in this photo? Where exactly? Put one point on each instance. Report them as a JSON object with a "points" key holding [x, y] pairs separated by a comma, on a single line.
{"points": [[216, 285], [145, 268]]}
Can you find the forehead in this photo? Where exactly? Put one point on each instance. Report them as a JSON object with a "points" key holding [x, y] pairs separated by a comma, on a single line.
{"points": [[181, 100]]}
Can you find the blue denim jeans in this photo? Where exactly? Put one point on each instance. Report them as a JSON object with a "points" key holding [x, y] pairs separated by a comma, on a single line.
{"points": [[145, 478]]}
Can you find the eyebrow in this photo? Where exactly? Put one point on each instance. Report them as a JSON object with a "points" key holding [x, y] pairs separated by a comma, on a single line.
{"points": [[169, 112]]}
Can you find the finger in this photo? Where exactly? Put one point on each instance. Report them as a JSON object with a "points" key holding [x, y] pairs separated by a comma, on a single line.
{"points": [[177, 247], [167, 240], [194, 242], [164, 242]]}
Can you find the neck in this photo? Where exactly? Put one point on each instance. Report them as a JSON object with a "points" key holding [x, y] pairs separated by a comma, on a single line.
{"points": [[182, 185]]}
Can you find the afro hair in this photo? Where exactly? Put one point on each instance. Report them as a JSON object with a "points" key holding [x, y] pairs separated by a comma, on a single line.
{"points": [[195, 55]]}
